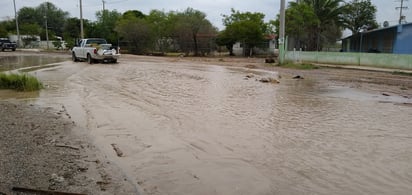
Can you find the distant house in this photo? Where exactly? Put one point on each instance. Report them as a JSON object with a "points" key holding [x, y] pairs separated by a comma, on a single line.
{"points": [[394, 39], [267, 47]]}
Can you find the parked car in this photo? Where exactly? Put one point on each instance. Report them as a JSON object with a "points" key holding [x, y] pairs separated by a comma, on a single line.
{"points": [[5, 43], [95, 50]]}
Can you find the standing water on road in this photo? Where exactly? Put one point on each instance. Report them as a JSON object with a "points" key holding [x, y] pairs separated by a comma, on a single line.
{"points": [[192, 129], [13, 62]]}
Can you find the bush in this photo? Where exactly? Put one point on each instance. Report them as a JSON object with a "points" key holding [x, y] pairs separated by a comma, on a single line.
{"points": [[299, 66], [20, 82]]}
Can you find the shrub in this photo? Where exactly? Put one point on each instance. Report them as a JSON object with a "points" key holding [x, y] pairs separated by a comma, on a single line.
{"points": [[299, 66], [20, 82]]}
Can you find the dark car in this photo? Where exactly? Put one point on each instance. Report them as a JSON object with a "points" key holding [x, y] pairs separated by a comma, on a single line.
{"points": [[7, 44]]}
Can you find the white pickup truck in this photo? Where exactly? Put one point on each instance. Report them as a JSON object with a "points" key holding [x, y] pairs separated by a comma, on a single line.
{"points": [[94, 50]]}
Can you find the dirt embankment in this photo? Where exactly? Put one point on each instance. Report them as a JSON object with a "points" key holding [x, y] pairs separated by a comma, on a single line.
{"points": [[41, 150]]}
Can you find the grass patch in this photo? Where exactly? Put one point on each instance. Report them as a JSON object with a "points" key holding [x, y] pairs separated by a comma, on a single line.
{"points": [[19, 82], [174, 54], [38, 68], [303, 66], [402, 73]]}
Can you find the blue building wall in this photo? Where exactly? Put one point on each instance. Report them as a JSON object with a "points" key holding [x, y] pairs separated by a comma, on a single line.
{"points": [[403, 42], [394, 39]]}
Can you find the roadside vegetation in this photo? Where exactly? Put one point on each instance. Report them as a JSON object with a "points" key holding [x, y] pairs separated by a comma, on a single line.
{"points": [[313, 25], [301, 66], [19, 82], [402, 73]]}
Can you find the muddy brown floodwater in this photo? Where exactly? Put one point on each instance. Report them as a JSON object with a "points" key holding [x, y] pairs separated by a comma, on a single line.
{"points": [[189, 128]]}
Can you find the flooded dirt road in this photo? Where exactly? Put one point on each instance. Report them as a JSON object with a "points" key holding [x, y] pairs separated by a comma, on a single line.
{"points": [[188, 128]]}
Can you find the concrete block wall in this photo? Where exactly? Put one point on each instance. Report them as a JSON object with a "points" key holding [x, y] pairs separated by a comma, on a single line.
{"points": [[396, 61]]}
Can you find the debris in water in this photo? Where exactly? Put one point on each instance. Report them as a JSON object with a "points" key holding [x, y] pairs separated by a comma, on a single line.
{"points": [[67, 146], [250, 75], [268, 80], [297, 77], [56, 179], [269, 60], [117, 150], [36, 191]]}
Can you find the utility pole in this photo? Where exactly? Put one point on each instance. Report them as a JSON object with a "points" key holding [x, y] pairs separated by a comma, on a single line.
{"points": [[81, 21], [47, 28], [282, 32], [103, 1], [401, 16], [17, 24]]}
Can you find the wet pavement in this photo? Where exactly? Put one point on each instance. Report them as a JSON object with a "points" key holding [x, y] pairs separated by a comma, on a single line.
{"points": [[187, 128]]}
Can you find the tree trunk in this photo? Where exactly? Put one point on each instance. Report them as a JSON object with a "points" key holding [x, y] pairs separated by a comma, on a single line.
{"points": [[196, 46]]}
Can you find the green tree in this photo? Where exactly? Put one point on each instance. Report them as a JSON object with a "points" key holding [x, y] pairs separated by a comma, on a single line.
{"points": [[187, 26], [314, 23], [30, 29], [358, 14], [133, 13], [71, 28], [55, 17], [3, 32], [6, 27], [246, 27], [301, 19], [161, 30], [137, 31], [30, 15], [105, 25], [328, 13], [227, 38]]}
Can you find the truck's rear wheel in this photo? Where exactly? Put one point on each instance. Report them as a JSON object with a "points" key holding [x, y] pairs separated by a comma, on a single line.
{"points": [[89, 59], [74, 58]]}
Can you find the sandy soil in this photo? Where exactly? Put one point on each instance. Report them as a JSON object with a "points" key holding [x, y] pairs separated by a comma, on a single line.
{"points": [[42, 148]]}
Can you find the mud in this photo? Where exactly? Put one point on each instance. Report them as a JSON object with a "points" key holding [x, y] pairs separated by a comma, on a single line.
{"points": [[200, 126], [41, 149]]}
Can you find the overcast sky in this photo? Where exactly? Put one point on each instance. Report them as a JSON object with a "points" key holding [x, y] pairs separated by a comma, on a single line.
{"points": [[213, 8]]}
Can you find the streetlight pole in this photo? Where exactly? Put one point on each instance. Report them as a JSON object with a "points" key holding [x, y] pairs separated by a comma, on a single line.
{"points": [[81, 20], [17, 24], [282, 32]]}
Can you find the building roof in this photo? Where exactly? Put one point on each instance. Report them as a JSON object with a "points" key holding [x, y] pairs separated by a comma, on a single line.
{"points": [[378, 29]]}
